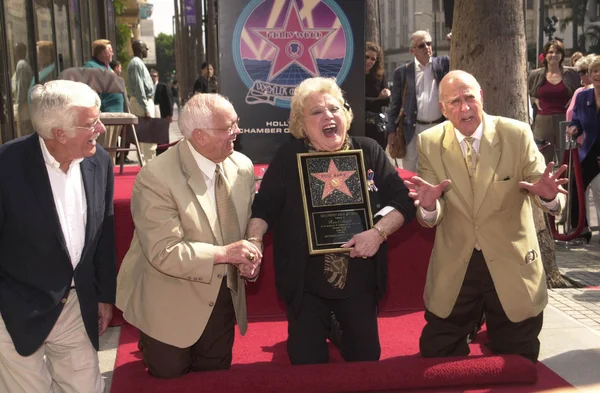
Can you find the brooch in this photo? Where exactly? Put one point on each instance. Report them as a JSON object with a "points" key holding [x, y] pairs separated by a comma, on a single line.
{"points": [[370, 181]]}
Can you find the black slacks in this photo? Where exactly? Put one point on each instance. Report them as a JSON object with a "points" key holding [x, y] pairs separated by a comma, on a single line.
{"points": [[448, 336], [212, 351], [308, 331]]}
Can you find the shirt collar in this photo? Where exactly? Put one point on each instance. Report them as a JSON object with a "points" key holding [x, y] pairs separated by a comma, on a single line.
{"points": [[418, 63], [207, 166], [50, 160], [476, 135]]}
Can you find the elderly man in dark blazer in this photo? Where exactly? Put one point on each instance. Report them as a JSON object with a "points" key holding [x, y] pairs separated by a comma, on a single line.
{"points": [[421, 78], [57, 247]]}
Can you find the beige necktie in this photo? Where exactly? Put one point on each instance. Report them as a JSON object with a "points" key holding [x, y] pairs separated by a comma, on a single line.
{"points": [[471, 156], [228, 220]]}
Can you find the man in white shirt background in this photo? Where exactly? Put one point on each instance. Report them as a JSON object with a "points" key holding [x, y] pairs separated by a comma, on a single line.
{"points": [[57, 247], [421, 77]]}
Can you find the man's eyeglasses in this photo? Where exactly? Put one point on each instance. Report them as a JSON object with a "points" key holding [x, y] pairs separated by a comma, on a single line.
{"points": [[370, 58], [154, 76], [583, 72], [231, 129], [423, 44], [91, 128]]}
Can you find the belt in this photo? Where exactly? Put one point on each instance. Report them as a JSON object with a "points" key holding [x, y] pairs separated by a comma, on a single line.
{"points": [[426, 123]]}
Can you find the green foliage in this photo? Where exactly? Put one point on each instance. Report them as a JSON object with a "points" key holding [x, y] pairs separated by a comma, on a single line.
{"points": [[165, 56], [123, 42], [119, 7]]}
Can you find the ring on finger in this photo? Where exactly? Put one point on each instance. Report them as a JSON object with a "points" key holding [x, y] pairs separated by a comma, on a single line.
{"points": [[250, 256]]}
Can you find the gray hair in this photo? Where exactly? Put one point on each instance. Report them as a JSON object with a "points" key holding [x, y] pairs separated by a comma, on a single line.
{"points": [[463, 76], [53, 105], [198, 112], [585, 62], [418, 35]]}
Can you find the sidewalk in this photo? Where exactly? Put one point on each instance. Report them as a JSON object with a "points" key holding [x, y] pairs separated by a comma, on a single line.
{"points": [[581, 266]]}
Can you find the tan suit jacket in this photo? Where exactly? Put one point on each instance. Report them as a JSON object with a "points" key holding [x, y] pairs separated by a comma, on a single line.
{"points": [[495, 213], [167, 285]]}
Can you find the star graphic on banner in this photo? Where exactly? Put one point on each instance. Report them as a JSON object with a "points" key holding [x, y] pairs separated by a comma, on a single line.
{"points": [[334, 179], [293, 43]]}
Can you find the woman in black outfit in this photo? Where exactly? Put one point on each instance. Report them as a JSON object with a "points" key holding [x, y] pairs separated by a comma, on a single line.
{"points": [[347, 284], [377, 93]]}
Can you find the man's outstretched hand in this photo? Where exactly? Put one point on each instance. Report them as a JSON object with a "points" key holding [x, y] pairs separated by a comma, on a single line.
{"points": [[425, 194], [548, 186]]}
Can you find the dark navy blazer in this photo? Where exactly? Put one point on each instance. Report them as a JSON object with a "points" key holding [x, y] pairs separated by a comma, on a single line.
{"points": [[35, 267], [586, 118]]}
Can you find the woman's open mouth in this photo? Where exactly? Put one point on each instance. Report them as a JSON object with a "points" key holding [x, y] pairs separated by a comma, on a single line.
{"points": [[330, 130]]}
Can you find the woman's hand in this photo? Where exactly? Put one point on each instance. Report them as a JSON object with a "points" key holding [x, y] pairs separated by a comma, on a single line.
{"points": [[384, 93], [364, 244], [572, 130]]}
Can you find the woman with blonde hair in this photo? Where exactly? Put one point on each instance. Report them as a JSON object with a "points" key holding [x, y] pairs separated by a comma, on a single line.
{"points": [[348, 284]]}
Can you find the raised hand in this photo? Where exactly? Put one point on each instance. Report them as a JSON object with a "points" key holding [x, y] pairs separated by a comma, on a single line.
{"points": [[424, 193], [549, 184]]}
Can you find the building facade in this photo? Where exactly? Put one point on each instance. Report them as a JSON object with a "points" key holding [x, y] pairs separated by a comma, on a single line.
{"points": [[39, 39]]}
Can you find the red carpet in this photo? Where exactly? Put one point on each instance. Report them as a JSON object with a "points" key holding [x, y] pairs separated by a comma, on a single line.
{"points": [[260, 362]]}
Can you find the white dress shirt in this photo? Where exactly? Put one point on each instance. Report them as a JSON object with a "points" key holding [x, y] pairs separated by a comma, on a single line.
{"points": [[431, 216], [208, 168], [70, 202], [427, 92]]}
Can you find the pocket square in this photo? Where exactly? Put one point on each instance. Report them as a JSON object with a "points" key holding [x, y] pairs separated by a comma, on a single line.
{"points": [[530, 257]]}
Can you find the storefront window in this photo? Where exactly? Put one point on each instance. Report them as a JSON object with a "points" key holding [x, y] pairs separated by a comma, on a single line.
{"points": [[61, 22], [76, 33], [4, 88], [46, 49], [85, 23], [21, 69]]}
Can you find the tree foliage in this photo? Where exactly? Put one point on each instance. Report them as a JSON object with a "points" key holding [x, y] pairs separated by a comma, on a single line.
{"points": [[165, 56]]}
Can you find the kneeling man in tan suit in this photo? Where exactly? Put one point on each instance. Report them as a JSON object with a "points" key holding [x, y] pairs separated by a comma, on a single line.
{"points": [[478, 177], [181, 282]]}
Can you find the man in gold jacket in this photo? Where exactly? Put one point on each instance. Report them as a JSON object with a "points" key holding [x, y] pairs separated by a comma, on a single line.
{"points": [[478, 177], [181, 281]]}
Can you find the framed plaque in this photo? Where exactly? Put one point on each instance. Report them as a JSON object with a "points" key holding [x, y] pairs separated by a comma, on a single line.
{"points": [[335, 196]]}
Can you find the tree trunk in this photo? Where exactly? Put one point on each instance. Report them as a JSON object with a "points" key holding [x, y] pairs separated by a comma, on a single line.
{"points": [[372, 22], [494, 50]]}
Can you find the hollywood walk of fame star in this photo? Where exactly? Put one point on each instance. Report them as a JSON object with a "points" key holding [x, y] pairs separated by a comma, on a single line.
{"points": [[334, 179], [293, 43]]}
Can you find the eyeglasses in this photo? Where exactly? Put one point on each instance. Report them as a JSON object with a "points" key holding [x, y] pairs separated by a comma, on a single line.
{"points": [[370, 58], [423, 44], [91, 128], [231, 129], [582, 72], [154, 76]]}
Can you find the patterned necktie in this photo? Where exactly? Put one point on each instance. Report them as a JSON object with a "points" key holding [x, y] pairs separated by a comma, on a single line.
{"points": [[228, 222], [471, 156], [226, 214]]}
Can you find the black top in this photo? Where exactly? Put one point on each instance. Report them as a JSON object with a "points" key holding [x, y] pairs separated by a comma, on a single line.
{"points": [[35, 267], [373, 87], [279, 203], [201, 85]]}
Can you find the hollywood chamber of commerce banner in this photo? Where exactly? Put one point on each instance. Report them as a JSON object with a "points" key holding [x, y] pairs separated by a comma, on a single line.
{"points": [[269, 46]]}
